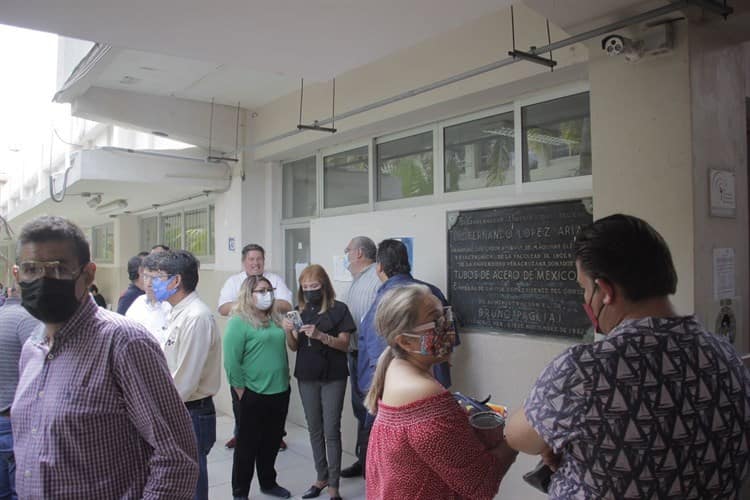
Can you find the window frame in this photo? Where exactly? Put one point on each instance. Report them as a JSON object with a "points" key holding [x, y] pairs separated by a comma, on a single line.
{"points": [[318, 189], [207, 259], [437, 156], [320, 163], [516, 192], [540, 98], [106, 227]]}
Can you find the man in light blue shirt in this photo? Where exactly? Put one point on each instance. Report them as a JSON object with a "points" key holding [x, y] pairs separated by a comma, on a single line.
{"points": [[360, 258]]}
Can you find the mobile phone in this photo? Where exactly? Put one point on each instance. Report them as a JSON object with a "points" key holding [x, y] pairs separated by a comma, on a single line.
{"points": [[295, 318], [539, 477]]}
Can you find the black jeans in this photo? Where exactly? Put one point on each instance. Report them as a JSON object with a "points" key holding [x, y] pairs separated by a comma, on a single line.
{"points": [[261, 425]]}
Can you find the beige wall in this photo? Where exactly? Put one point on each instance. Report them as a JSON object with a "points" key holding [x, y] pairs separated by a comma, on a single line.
{"points": [[641, 137], [467, 47]]}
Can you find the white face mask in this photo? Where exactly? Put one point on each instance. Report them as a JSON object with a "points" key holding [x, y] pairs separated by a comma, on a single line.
{"points": [[263, 301]]}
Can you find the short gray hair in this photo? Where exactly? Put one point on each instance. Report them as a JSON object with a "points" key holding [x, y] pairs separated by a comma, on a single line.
{"points": [[367, 245]]}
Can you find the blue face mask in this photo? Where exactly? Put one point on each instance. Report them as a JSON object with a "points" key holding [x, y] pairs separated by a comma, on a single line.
{"points": [[346, 260], [161, 292]]}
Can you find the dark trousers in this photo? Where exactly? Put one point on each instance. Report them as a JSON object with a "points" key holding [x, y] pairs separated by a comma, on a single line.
{"points": [[360, 412], [261, 424]]}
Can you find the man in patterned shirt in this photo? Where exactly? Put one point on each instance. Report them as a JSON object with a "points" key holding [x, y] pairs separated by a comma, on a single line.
{"points": [[96, 414], [658, 409]]}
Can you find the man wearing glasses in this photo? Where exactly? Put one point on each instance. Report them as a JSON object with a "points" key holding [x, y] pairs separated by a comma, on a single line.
{"points": [[192, 346], [96, 414], [148, 311]]}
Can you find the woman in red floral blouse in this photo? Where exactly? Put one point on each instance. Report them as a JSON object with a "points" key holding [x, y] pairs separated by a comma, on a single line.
{"points": [[421, 444]]}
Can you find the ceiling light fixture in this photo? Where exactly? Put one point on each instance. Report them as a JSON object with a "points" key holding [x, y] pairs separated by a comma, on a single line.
{"points": [[112, 206]]}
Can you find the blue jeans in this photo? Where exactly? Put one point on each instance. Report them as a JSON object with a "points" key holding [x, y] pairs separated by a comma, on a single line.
{"points": [[7, 461], [203, 415]]}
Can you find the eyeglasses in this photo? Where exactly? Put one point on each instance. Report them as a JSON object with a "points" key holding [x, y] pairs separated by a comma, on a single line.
{"points": [[150, 277], [443, 325], [264, 290], [32, 270]]}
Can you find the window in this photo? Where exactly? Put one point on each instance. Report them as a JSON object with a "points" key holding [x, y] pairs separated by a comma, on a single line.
{"points": [[557, 138], [479, 153], [171, 230], [299, 188], [192, 229], [296, 255], [103, 243], [199, 238], [405, 167], [149, 232], [345, 178]]}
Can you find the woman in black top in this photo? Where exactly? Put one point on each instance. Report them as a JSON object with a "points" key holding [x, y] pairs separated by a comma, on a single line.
{"points": [[321, 371]]}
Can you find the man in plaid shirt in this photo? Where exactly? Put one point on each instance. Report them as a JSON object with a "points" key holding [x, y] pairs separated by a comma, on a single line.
{"points": [[96, 414]]}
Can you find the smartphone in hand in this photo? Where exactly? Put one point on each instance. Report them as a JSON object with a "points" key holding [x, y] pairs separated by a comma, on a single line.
{"points": [[295, 318]]}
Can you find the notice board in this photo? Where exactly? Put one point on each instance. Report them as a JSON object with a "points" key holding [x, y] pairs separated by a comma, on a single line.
{"points": [[513, 269]]}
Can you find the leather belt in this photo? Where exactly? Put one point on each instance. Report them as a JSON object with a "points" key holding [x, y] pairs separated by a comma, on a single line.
{"points": [[198, 403]]}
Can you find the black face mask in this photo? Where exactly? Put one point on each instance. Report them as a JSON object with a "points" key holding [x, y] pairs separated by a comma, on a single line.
{"points": [[313, 297], [50, 300]]}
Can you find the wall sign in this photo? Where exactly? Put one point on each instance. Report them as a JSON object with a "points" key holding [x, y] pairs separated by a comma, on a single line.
{"points": [[513, 269], [722, 191]]}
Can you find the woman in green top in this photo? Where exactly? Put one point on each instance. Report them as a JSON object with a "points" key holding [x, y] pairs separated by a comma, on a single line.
{"points": [[257, 367]]}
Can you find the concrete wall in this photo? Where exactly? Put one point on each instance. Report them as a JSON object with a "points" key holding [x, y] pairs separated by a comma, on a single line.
{"points": [[719, 75]]}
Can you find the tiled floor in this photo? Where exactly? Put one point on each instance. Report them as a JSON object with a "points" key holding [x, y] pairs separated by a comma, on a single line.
{"points": [[294, 466]]}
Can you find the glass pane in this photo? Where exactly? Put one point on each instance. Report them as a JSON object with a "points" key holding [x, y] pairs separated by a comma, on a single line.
{"points": [[405, 167], [149, 232], [557, 138], [480, 153], [196, 231], [299, 195], [171, 231], [297, 256], [103, 243], [345, 178], [212, 231], [109, 244]]}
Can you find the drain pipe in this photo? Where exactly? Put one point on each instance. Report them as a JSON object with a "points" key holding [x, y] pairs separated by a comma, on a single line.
{"points": [[709, 5]]}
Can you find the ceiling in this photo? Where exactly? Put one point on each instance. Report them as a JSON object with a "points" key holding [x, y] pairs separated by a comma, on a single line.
{"points": [[150, 73], [315, 39]]}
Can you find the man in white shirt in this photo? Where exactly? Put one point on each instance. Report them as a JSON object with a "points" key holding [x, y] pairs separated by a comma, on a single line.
{"points": [[192, 346], [148, 311], [253, 262]]}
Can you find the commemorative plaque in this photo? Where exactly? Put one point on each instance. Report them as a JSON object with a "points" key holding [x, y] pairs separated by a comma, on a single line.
{"points": [[513, 269]]}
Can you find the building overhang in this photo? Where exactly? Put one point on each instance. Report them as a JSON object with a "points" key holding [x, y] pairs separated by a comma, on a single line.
{"points": [[147, 183]]}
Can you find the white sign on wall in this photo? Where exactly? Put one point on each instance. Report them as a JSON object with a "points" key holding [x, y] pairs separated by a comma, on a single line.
{"points": [[722, 186], [724, 286]]}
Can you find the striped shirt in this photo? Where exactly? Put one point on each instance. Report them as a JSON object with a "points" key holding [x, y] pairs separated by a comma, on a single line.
{"points": [[16, 324], [96, 415], [360, 297]]}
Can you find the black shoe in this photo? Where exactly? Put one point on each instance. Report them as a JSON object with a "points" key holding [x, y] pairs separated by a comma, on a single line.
{"points": [[354, 470], [277, 491], [313, 492]]}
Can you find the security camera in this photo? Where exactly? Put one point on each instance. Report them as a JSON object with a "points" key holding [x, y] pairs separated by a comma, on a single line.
{"points": [[614, 45]]}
